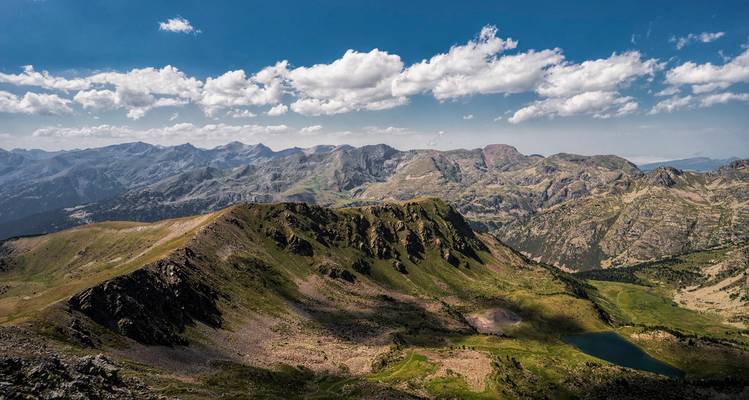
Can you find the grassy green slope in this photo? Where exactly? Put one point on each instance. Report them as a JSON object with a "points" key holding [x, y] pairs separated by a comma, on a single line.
{"points": [[40, 271]]}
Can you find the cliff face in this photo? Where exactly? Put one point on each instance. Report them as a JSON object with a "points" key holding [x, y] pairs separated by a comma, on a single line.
{"points": [[153, 305]]}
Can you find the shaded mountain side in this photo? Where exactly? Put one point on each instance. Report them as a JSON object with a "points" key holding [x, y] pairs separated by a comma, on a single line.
{"points": [[154, 304]]}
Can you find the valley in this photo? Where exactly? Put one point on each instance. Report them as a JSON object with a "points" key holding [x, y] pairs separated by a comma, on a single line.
{"points": [[299, 301]]}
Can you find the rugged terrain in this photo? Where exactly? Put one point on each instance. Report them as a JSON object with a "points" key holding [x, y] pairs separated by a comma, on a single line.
{"points": [[665, 213], [298, 301], [576, 212]]}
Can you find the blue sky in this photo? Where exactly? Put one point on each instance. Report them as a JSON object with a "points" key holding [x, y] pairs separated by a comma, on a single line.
{"points": [[646, 81]]}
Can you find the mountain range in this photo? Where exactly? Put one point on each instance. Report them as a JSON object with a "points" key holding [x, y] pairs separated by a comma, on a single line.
{"points": [[576, 212]]}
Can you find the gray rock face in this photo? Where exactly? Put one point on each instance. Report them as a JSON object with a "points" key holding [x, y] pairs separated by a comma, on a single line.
{"points": [[152, 305], [49, 377], [665, 176]]}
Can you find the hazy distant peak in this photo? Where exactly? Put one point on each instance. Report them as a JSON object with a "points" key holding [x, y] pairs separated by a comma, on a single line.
{"points": [[234, 145], [665, 176], [699, 164]]}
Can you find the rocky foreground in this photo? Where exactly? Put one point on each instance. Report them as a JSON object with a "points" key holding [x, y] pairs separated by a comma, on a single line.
{"points": [[31, 369]]}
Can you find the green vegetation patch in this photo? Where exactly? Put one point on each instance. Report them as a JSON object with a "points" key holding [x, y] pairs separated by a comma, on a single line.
{"points": [[650, 307], [413, 366]]}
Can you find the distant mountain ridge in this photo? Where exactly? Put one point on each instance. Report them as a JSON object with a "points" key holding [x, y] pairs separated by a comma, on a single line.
{"points": [[579, 212], [35, 181], [699, 164]]}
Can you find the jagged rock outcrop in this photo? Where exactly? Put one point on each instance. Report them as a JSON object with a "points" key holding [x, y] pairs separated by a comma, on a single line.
{"points": [[152, 305], [334, 271], [50, 377], [665, 176], [299, 246]]}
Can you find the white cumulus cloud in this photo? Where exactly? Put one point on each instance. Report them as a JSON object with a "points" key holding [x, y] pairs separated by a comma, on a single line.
{"points": [[310, 130], [466, 63], [139, 90], [356, 81], [234, 89], [721, 98], [279, 109], [34, 103], [599, 104], [708, 77], [702, 101], [588, 88], [178, 25], [605, 74], [43, 79], [240, 113]]}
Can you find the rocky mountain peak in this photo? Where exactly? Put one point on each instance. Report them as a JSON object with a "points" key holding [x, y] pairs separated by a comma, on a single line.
{"points": [[665, 176], [501, 149], [376, 150], [235, 145], [501, 155], [378, 230], [185, 147], [319, 149], [609, 162], [261, 149]]}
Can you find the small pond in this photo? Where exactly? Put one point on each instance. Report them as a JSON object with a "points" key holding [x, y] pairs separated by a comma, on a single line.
{"points": [[615, 349]]}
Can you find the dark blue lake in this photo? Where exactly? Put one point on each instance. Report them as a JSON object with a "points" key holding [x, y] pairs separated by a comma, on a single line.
{"points": [[615, 349]]}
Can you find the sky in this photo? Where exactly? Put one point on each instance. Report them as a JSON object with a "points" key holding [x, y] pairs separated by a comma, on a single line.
{"points": [[646, 80]]}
